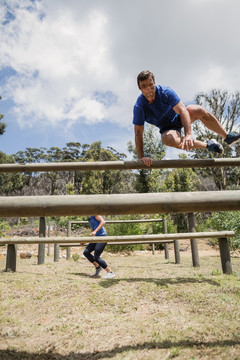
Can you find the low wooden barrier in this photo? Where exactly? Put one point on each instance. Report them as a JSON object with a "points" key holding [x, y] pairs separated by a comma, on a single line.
{"points": [[153, 242], [125, 243], [130, 221], [221, 235]]}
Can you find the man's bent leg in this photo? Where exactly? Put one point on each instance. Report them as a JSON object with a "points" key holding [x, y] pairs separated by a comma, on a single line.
{"points": [[208, 119], [172, 138]]}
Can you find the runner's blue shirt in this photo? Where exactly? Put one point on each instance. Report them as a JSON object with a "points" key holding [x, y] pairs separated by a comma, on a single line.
{"points": [[93, 223], [160, 113]]}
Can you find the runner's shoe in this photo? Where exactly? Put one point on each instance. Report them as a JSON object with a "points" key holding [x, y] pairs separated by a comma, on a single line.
{"points": [[232, 139], [98, 270], [214, 146], [109, 275]]}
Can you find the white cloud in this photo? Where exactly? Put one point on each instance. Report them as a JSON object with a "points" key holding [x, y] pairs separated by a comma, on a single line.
{"points": [[59, 62], [65, 52]]}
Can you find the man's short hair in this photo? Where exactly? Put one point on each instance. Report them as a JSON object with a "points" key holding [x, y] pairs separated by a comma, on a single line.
{"points": [[144, 75]]}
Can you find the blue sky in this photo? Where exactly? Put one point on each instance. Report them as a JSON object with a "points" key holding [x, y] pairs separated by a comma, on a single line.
{"points": [[68, 68]]}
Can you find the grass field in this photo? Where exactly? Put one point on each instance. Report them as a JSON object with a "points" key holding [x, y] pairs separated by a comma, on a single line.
{"points": [[152, 309]]}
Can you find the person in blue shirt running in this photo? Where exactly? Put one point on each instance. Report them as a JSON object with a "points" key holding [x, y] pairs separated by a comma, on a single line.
{"points": [[97, 229], [160, 106]]}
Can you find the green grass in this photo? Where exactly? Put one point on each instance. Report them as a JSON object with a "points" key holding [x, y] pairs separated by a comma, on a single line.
{"points": [[152, 309]]}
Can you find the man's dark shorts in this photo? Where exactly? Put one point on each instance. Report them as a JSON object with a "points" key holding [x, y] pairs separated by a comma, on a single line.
{"points": [[176, 125]]}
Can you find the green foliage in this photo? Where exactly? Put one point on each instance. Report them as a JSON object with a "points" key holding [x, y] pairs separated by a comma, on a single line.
{"points": [[226, 221], [180, 180], [62, 182], [24, 221], [124, 229], [2, 124], [4, 225], [138, 229], [226, 108], [148, 180], [62, 221], [103, 182], [157, 227], [10, 183], [70, 188], [75, 256]]}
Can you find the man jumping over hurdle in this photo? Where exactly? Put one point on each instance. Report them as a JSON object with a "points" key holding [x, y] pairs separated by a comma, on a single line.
{"points": [[160, 106]]}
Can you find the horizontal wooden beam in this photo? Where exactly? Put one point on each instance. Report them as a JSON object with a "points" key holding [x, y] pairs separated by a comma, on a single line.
{"points": [[127, 243], [119, 165], [118, 204], [109, 239], [84, 222]]}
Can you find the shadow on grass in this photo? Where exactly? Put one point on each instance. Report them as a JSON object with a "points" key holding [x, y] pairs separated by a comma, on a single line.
{"points": [[159, 282], [167, 344], [106, 283], [83, 275]]}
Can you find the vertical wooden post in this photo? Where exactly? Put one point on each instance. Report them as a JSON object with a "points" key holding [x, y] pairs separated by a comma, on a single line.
{"points": [[153, 249], [56, 252], [194, 243], [68, 250], [225, 255], [177, 252], [166, 246], [11, 261], [41, 247], [49, 245], [69, 225], [68, 253]]}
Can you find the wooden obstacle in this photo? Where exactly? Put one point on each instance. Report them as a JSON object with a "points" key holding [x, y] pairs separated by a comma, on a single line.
{"points": [[119, 165], [118, 204], [126, 242], [131, 221], [221, 235]]}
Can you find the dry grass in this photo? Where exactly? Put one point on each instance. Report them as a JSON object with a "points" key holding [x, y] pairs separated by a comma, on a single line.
{"points": [[152, 309]]}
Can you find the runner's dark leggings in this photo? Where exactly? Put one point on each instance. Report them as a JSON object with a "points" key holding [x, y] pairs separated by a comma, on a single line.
{"points": [[98, 249]]}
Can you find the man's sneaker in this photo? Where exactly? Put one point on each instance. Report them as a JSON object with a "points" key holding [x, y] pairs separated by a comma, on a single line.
{"points": [[214, 146], [232, 139], [109, 275], [98, 270]]}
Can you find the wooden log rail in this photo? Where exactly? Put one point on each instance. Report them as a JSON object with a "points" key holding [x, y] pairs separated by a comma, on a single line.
{"points": [[119, 165], [118, 204], [110, 239], [135, 221], [85, 222], [127, 243], [221, 235]]}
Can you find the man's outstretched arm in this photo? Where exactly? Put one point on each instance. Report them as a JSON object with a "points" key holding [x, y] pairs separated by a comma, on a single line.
{"points": [[139, 129]]}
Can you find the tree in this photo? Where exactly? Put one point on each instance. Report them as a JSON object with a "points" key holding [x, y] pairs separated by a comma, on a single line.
{"points": [[154, 148], [2, 124], [10, 183], [226, 107], [77, 182], [226, 221], [104, 181], [185, 180]]}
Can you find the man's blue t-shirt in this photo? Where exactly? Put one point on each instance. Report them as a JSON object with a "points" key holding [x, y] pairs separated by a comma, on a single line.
{"points": [[160, 113], [93, 223]]}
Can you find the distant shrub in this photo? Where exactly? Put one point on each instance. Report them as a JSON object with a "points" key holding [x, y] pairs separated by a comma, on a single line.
{"points": [[226, 221], [75, 256], [3, 227]]}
